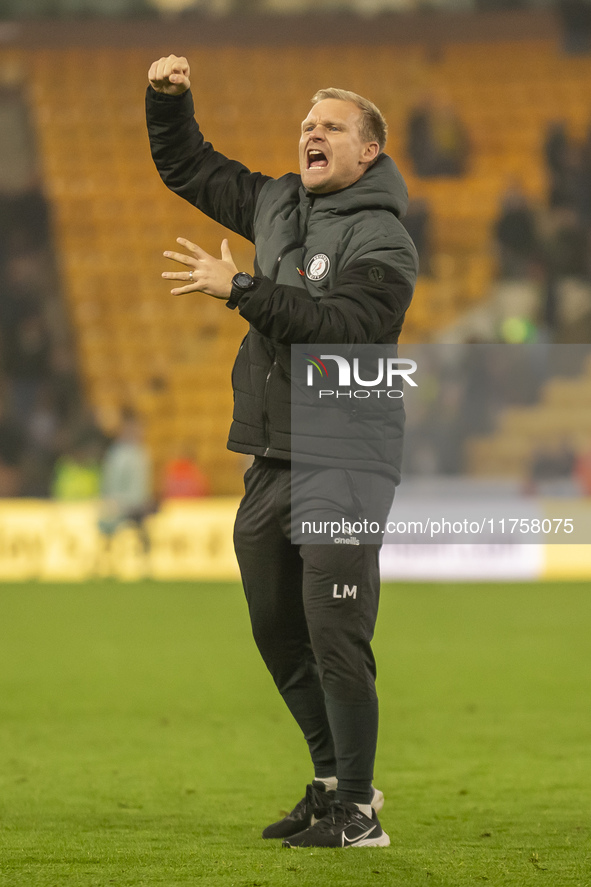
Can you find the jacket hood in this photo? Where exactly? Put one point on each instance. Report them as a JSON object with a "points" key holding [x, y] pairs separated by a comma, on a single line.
{"points": [[381, 187]]}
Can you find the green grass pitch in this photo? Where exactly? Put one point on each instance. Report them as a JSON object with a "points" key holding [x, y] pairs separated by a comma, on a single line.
{"points": [[142, 741]]}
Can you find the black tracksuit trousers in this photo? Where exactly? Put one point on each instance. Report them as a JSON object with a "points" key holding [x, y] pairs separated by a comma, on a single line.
{"points": [[313, 610]]}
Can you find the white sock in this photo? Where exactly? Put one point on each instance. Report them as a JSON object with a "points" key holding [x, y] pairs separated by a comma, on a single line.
{"points": [[365, 808], [330, 782]]}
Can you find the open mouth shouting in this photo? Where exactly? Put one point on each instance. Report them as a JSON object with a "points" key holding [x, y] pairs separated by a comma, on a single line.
{"points": [[316, 159]]}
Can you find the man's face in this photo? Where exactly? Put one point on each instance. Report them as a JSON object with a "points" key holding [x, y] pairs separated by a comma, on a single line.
{"points": [[332, 153]]}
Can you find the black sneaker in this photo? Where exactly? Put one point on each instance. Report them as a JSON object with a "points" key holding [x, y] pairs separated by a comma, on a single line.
{"points": [[312, 807], [343, 826]]}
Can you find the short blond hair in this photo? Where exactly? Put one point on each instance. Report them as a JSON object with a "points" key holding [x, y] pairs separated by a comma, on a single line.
{"points": [[373, 127]]}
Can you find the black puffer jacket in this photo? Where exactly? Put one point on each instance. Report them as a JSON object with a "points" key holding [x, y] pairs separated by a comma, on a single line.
{"points": [[356, 292]]}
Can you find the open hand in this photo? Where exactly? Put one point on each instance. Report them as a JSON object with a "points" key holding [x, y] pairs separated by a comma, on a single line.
{"points": [[170, 75], [204, 273]]}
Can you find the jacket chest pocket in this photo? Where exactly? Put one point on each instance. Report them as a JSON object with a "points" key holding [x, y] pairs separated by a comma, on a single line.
{"points": [[288, 266]]}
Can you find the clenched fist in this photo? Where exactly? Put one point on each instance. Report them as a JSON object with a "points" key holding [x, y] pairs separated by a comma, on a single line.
{"points": [[170, 75]]}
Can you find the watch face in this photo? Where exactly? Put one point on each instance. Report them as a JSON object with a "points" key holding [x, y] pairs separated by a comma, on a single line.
{"points": [[243, 280]]}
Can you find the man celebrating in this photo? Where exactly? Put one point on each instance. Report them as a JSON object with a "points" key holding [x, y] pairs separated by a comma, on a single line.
{"points": [[333, 265]]}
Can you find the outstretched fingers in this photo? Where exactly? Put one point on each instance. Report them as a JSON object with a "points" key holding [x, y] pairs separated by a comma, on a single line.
{"points": [[181, 257], [179, 290], [226, 253], [205, 273], [196, 250]]}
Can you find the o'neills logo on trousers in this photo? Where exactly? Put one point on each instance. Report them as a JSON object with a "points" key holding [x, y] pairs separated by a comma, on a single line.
{"points": [[388, 371]]}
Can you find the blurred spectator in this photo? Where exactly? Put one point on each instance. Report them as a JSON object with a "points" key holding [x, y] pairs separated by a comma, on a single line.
{"points": [[85, 427], [43, 423], [566, 254], [583, 471], [556, 147], [437, 141], [417, 222], [27, 216], [126, 484], [482, 387], [183, 479], [551, 247], [576, 22], [551, 470], [12, 443], [564, 165], [24, 335], [565, 186], [419, 146], [77, 474], [566, 244], [65, 385], [19, 296], [515, 233], [41, 429], [26, 362], [585, 180]]}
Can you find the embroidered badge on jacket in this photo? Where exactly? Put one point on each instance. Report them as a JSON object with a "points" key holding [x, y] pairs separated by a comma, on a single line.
{"points": [[318, 267]]}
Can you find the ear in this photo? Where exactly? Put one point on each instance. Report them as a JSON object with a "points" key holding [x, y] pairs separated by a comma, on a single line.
{"points": [[370, 152]]}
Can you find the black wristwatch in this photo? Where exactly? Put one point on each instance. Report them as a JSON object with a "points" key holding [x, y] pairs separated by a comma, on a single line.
{"points": [[241, 283]]}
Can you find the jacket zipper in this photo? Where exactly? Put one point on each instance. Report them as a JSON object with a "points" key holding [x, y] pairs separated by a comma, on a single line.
{"points": [[265, 405], [288, 249]]}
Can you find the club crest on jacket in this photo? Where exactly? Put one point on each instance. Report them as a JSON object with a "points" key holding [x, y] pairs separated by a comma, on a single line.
{"points": [[318, 267]]}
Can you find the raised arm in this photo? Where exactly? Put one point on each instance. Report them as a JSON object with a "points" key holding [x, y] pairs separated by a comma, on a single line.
{"points": [[223, 189]]}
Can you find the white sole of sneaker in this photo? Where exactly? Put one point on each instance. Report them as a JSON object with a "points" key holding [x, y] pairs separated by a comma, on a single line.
{"points": [[382, 841]]}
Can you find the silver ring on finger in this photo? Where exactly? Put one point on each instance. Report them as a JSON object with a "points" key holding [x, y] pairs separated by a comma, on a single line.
{"points": [[191, 276]]}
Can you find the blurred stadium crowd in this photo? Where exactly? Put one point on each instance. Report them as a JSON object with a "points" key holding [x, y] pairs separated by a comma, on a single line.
{"points": [[50, 441], [501, 216], [545, 242], [42, 411]]}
